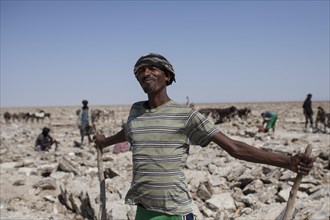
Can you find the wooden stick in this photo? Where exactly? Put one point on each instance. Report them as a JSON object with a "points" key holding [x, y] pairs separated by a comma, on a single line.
{"points": [[102, 211], [294, 190]]}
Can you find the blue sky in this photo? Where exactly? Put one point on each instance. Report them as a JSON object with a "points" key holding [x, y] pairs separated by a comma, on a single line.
{"points": [[57, 53]]}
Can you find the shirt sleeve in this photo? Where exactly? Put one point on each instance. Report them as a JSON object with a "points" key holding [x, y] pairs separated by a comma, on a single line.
{"points": [[199, 129]]}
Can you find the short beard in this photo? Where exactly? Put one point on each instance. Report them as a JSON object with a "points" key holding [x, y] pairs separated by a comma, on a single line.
{"points": [[148, 89]]}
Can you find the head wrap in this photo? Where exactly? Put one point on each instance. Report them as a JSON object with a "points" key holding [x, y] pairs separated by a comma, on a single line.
{"points": [[45, 131], [84, 102], [156, 60]]}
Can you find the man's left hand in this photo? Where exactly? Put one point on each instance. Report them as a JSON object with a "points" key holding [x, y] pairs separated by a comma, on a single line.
{"points": [[301, 163]]}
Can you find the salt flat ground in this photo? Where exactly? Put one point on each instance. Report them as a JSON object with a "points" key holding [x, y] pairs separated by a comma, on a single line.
{"points": [[20, 165]]}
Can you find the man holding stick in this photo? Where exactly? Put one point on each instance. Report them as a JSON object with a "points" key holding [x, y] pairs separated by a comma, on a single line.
{"points": [[160, 132]]}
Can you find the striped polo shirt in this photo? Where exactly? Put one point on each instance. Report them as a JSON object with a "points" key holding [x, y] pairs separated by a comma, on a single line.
{"points": [[160, 140]]}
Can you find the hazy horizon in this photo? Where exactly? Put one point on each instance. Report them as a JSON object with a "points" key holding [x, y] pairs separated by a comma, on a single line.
{"points": [[198, 103]]}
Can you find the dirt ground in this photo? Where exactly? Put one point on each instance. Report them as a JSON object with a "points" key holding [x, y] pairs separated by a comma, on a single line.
{"points": [[22, 169]]}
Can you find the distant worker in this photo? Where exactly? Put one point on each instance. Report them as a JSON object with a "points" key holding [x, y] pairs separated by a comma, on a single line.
{"points": [[44, 141], [85, 124], [269, 121], [189, 104], [308, 111], [188, 101]]}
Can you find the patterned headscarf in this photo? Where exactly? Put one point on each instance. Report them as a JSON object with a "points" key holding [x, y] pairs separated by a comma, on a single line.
{"points": [[45, 131], [158, 61]]}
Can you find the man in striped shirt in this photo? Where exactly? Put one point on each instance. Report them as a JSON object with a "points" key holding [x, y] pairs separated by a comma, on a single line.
{"points": [[160, 132]]}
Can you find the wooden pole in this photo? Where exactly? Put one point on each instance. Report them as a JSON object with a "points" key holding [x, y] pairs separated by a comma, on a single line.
{"points": [[102, 211], [293, 193]]}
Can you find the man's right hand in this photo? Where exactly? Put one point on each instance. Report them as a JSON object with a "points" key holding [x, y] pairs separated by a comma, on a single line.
{"points": [[99, 140]]}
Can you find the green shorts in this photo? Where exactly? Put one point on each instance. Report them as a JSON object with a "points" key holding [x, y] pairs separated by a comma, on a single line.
{"points": [[271, 122], [144, 214]]}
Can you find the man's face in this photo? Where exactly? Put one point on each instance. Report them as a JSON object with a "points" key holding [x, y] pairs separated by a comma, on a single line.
{"points": [[151, 79]]}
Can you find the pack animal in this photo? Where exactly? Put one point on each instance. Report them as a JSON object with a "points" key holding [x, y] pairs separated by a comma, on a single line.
{"points": [[243, 113], [323, 118], [224, 114], [207, 111], [11, 117], [7, 117], [40, 115]]}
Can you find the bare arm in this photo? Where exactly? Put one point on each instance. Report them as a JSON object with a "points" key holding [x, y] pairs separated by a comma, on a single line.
{"points": [[102, 141], [299, 163]]}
